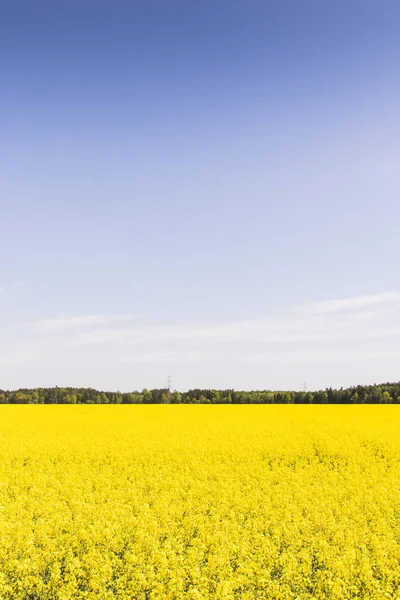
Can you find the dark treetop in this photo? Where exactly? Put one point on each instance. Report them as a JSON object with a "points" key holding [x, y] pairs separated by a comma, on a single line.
{"points": [[387, 393]]}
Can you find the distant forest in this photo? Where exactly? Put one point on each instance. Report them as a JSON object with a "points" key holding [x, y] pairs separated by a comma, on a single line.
{"points": [[387, 393]]}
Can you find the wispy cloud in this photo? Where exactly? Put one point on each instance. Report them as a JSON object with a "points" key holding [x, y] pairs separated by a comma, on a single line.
{"points": [[315, 356], [335, 320], [167, 356], [351, 304], [65, 322], [9, 286], [363, 326]]}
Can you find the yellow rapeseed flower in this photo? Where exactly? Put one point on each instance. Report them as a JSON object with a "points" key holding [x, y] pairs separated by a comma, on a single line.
{"points": [[199, 502]]}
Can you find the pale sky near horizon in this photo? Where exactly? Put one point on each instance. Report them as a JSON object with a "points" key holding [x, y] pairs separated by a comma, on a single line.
{"points": [[204, 190]]}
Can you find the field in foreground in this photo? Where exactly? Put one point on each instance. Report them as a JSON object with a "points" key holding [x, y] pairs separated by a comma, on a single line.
{"points": [[193, 502]]}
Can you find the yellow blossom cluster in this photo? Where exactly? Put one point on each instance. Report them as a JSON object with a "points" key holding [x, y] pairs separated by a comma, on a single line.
{"points": [[198, 502]]}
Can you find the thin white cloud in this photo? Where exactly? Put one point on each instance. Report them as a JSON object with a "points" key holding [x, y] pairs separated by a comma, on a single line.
{"points": [[280, 332], [350, 304], [64, 322], [10, 286], [311, 355], [336, 320], [168, 356], [22, 353], [365, 327]]}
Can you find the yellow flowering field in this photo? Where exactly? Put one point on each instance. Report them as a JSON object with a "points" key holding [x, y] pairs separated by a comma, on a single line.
{"points": [[193, 502]]}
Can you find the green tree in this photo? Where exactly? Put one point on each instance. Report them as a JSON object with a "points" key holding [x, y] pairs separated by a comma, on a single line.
{"points": [[147, 396], [70, 399], [176, 398], [215, 397]]}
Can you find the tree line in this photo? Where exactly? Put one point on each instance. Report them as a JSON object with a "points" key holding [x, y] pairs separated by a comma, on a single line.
{"points": [[387, 393]]}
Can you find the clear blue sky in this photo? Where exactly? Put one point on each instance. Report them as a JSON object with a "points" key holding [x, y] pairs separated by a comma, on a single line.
{"points": [[209, 190]]}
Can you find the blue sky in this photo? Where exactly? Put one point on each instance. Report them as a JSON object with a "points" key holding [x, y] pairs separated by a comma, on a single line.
{"points": [[207, 190]]}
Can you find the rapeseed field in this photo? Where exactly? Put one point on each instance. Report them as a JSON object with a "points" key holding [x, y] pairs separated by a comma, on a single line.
{"points": [[193, 502]]}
